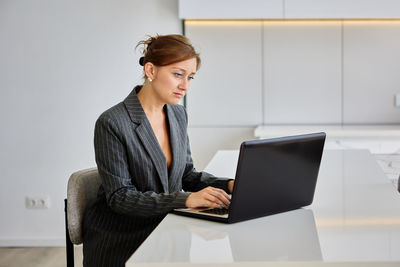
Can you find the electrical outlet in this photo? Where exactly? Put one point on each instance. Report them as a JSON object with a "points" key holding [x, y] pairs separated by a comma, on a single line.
{"points": [[39, 202]]}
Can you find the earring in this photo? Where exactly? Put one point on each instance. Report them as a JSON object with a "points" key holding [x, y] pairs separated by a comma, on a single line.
{"points": [[150, 79]]}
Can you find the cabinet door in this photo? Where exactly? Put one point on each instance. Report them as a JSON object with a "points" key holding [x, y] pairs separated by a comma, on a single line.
{"points": [[302, 73], [228, 9], [312, 9], [371, 71], [227, 89]]}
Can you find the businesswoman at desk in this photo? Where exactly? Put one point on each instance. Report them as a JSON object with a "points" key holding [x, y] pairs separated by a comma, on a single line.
{"points": [[143, 157]]}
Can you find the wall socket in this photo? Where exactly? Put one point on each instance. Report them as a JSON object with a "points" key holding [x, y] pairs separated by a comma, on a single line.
{"points": [[38, 202]]}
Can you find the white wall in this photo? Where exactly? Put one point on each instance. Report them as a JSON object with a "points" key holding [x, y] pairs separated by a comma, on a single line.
{"points": [[62, 64]]}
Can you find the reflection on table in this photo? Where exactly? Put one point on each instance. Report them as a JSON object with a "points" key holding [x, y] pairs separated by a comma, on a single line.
{"points": [[290, 236]]}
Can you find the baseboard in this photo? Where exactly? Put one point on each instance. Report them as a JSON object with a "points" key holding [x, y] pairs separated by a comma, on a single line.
{"points": [[32, 242]]}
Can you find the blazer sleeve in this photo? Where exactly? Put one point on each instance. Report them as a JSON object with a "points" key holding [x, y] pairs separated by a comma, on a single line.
{"points": [[193, 180], [122, 196]]}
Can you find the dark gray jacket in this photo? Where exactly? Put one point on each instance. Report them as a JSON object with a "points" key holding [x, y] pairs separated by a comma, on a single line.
{"points": [[137, 188]]}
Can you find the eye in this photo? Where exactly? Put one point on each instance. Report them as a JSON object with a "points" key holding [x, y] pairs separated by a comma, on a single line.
{"points": [[177, 74], [191, 77]]}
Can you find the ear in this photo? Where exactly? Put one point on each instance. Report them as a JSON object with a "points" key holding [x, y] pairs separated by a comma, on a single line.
{"points": [[150, 70]]}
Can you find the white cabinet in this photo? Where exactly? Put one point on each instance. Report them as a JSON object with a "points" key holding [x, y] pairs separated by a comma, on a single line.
{"points": [[295, 72], [228, 9], [227, 90], [302, 72], [371, 72], [289, 9], [341, 9]]}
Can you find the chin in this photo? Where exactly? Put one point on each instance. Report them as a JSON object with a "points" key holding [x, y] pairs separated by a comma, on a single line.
{"points": [[175, 101]]}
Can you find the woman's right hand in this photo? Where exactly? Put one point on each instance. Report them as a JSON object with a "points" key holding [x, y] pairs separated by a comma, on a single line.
{"points": [[208, 197]]}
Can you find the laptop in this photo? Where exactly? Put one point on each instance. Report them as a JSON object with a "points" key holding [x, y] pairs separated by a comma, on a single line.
{"points": [[272, 176]]}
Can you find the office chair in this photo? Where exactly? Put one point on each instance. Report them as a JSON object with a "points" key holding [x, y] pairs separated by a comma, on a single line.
{"points": [[81, 193]]}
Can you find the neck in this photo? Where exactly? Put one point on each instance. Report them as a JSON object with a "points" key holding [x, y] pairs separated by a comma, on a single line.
{"points": [[149, 101]]}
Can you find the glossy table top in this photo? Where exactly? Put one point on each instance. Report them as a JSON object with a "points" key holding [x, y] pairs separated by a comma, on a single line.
{"points": [[355, 217]]}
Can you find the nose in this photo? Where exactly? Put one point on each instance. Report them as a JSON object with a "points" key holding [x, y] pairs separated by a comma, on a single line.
{"points": [[184, 85]]}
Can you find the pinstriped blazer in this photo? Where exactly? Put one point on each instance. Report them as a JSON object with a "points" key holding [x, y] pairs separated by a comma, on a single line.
{"points": [[136, 184], [132, 166]]}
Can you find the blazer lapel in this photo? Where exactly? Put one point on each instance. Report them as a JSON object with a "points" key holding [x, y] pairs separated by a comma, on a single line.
{"points": [[146, 135], [177, 140]]}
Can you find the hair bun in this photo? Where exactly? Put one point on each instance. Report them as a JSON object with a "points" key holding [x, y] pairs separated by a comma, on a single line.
{"points": [[141, 61], [164, 50]]}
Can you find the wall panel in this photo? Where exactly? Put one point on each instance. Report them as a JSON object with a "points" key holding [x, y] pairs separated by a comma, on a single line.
{"points": [[227, 89], [371, 72], [302, 73]]}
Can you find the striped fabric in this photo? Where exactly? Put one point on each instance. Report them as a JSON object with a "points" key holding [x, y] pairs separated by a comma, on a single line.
{"points": [[137, 189]]}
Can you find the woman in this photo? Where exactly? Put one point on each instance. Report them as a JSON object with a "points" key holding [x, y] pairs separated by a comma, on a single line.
{"points": [[143, 157]]}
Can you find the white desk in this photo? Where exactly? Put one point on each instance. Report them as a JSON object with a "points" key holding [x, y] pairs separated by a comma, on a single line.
{"points": [[354, 221]]}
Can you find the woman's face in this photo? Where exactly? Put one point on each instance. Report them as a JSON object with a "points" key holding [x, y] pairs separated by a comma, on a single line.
{"points": [[170, 83]]}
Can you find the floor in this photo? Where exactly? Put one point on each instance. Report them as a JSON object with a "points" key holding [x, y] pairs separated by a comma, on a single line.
{"points": [[37, 257]]}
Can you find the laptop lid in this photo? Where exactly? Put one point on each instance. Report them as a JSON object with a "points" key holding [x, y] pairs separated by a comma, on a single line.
{"points": [[272, 176], [276, 175]]}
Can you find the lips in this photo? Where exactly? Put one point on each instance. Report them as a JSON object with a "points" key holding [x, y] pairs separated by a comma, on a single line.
{"points": [[178, 95]]}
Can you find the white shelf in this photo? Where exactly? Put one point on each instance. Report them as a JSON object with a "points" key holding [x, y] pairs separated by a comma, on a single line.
{"points": [[289, 9], [383, 139], [332, 131]]}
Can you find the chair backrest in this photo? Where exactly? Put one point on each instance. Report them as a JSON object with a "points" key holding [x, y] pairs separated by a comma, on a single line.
{"points": [[82, 191]]}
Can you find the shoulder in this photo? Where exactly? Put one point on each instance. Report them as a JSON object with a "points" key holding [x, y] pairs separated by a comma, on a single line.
{"points": [[113, 116]]}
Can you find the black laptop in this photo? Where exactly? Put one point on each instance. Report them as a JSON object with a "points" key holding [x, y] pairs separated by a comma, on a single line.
{"points": [[272, 176]]}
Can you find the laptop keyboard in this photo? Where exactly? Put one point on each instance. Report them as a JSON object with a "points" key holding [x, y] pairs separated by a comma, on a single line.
{"points": [[216, 211]]}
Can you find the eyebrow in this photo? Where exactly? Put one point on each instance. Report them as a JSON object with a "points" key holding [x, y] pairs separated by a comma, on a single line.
{"points": [[183, 70]]}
